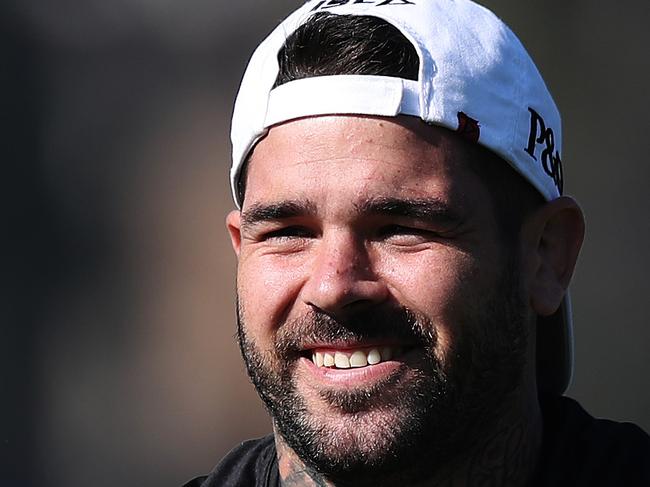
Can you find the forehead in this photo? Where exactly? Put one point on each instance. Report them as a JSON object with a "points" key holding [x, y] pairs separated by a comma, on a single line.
{"points": [[349, 158]]}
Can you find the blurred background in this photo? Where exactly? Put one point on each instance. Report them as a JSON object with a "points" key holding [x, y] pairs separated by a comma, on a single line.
{"points": [[118, 358]]}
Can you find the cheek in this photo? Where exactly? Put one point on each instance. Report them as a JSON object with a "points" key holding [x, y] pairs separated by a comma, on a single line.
{"points": [[267, 288], [442, 285], [430, 281]]}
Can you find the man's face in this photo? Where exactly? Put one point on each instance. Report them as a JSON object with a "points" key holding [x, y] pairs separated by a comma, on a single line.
{"points": [[370, 243]]}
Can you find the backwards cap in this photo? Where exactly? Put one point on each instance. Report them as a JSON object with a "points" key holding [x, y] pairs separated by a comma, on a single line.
{"points": [[475, 77]]}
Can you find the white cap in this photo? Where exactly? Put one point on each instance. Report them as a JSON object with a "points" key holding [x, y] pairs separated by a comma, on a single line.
{"points": [[474, 77]]}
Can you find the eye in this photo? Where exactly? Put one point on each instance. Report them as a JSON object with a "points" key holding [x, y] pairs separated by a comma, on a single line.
{"points": [[288, 233], [405, 235]]}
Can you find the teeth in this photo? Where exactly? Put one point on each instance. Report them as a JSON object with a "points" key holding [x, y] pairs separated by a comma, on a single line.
{"points": [[328, 359], [341, 361], [358, 358], [374, 357]]}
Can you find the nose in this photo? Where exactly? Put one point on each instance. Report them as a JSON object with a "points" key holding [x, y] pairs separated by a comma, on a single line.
{"points": [[342, 276]]}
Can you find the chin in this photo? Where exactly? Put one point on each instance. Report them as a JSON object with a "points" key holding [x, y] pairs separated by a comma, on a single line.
{"points": [[348, 434]]}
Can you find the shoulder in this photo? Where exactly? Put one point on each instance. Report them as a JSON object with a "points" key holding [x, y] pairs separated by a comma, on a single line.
{"points": [[252, 463], [579, 449]]}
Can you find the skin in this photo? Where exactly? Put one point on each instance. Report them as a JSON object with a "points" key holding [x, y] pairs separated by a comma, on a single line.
{"points": [[338, 252]]}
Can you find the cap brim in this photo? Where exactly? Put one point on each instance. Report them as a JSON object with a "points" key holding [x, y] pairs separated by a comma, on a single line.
{"points": [[555, 350]]}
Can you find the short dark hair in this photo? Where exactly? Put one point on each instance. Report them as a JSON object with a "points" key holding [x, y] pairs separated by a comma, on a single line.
{"points": [[329, 44]]}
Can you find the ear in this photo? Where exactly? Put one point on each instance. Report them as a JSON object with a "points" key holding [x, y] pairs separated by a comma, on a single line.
{"points": [[552, 237], [233, 223]]}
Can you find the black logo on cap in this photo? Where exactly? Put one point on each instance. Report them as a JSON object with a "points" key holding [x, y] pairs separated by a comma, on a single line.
{"points": [[541, 135], [378, 3]]}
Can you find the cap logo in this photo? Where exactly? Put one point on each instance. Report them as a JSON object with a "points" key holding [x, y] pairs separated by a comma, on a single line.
{"points": [[468, 128], [378, 3], [541, 135]]}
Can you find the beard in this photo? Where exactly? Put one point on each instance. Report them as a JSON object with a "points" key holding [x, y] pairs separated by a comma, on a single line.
{"points": [[426, 413]]}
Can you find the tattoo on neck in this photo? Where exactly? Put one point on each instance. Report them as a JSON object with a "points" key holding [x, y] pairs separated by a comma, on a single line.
{"points": [[293, 472], [301, 478]]}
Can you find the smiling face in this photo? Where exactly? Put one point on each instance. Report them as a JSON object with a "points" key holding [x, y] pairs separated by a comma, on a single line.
{"points": [[380, 315]]}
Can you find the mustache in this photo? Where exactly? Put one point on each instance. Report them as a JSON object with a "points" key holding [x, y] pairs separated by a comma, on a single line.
{"points": [[400, 325]]}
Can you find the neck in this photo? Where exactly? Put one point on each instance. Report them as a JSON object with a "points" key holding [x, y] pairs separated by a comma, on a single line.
{"points": [[506, 455]]}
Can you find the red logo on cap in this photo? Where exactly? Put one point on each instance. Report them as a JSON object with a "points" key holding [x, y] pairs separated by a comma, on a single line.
{"points": [[468, 127]]}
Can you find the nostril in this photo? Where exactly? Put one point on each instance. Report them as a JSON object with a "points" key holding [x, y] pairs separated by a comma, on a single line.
{"points": [[334, 298], [341, 274]]}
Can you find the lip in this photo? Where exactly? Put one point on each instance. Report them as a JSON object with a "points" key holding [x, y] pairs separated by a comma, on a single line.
{"points": [[353, 377]]}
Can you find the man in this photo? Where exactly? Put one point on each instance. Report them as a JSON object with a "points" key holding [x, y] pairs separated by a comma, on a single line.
{"points": [[404, 256]]}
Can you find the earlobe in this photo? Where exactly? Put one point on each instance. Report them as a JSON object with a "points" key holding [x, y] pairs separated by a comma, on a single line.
{"points": [[554, 235], [233, 223]]}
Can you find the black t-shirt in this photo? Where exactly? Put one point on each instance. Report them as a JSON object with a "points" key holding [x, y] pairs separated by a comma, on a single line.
{"points": [[577, 450], [251, 464]]}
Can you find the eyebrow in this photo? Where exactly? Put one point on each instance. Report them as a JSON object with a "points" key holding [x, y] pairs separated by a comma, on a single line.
{"points": [[431, 210], [259, 212], [427, 209]]}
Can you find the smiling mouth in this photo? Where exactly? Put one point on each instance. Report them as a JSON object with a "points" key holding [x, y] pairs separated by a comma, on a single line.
{"points": [[353, 358]]}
